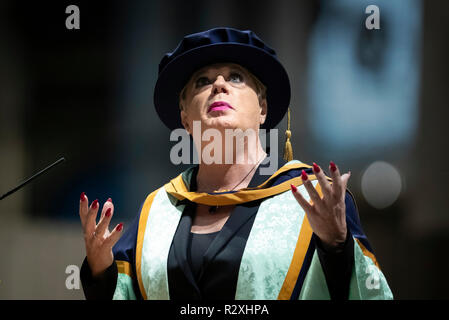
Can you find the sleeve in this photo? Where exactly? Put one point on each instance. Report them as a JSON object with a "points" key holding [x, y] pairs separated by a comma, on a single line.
{"points": [[337, 266], [119, 281], [127, 287], [363, 281], [101, 287]]}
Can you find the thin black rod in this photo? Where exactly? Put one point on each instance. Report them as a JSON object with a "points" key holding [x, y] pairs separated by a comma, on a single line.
{"points": [[32, 178]]}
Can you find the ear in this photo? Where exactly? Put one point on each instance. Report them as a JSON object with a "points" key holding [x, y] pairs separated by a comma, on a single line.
{"points": [[185, 121], [263, 111]]}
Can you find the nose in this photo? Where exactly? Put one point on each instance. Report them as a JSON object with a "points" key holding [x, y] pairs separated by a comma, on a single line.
{"points": [[219, 85]]}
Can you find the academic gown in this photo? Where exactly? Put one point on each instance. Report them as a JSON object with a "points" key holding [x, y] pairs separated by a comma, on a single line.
{"points": [[220, 269]]}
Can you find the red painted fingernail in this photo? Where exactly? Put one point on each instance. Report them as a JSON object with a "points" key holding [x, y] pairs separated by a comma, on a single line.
{"points": [[82, 196], [333, 166], [304, 176], [316, 168], [109, 199], [120, 227], [95, 204], [294, 189], [108, 213]]}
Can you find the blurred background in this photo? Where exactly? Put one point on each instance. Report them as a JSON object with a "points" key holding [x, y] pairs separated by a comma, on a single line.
{"points": [[375, 101]]}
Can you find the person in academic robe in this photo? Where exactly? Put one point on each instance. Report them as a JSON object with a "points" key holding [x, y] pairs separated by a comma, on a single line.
{"points": [[225, 230]]}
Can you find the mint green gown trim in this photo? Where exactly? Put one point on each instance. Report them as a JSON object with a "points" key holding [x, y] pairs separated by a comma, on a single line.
{"points": [[163, 219], [270, 246], [367, 281], [124, 289], [314, 286]]}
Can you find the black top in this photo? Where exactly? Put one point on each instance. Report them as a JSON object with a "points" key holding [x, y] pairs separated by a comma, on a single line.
{"points": [[206, 267], [198, 244]]}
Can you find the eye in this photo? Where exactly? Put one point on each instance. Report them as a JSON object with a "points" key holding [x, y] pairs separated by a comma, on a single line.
{"points": [[236, 77], [202, 81]]}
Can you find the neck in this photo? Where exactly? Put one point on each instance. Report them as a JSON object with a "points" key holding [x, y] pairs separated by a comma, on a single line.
{"points": [[220, 177]]}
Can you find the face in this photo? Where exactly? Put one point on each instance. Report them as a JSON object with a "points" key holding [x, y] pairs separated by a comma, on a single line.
{"points": [[223, 96]]}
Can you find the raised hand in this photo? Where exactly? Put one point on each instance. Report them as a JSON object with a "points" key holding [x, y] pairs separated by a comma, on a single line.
{"points": [[327, 214], [97, 237]]}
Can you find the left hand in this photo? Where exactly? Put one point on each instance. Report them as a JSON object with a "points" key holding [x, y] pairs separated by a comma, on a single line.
{"points": [[326, 215]]}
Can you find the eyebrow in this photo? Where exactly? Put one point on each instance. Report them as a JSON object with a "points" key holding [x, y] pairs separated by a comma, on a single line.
{"points": [[232, 68]]}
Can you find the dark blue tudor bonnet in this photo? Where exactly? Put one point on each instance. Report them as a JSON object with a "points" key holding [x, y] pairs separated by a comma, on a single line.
{"points": [[216, 46]]}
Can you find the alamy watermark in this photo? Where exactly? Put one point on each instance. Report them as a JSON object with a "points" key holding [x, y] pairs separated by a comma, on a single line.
{"points": [[72, 282], [73, 20], [373, 280], [236, 143], [373, 20]]}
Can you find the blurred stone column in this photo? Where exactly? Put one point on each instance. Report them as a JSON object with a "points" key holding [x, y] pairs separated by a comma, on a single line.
{"points": [[12, 143], [12, 148], [429, 204], [421, 244]]}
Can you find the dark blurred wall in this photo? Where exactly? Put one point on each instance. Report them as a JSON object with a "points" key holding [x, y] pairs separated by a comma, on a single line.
{"points": [[70, 80]]}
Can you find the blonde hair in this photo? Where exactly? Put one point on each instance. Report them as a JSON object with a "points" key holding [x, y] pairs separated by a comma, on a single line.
{"points": [[261, 89]]}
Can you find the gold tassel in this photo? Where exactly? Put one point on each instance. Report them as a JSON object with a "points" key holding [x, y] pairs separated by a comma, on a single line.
{"points": [[288, 151]]}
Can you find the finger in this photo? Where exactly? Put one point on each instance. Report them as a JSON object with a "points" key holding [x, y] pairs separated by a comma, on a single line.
{"points": [[114, 236], [344, 180], [322, 180], [105, 207], [311, 190], [307, 207], [91, 218], [84, 208], [106, 215], [336, 180]]}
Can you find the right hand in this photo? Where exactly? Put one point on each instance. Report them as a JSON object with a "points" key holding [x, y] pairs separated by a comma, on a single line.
{"points": [[99, 241]]}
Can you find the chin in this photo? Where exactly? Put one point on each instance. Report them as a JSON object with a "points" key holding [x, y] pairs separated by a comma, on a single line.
{"points": [[221, 123]]}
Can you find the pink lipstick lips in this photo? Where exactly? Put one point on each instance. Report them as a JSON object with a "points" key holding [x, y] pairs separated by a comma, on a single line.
{"points": [[219, 105]]}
